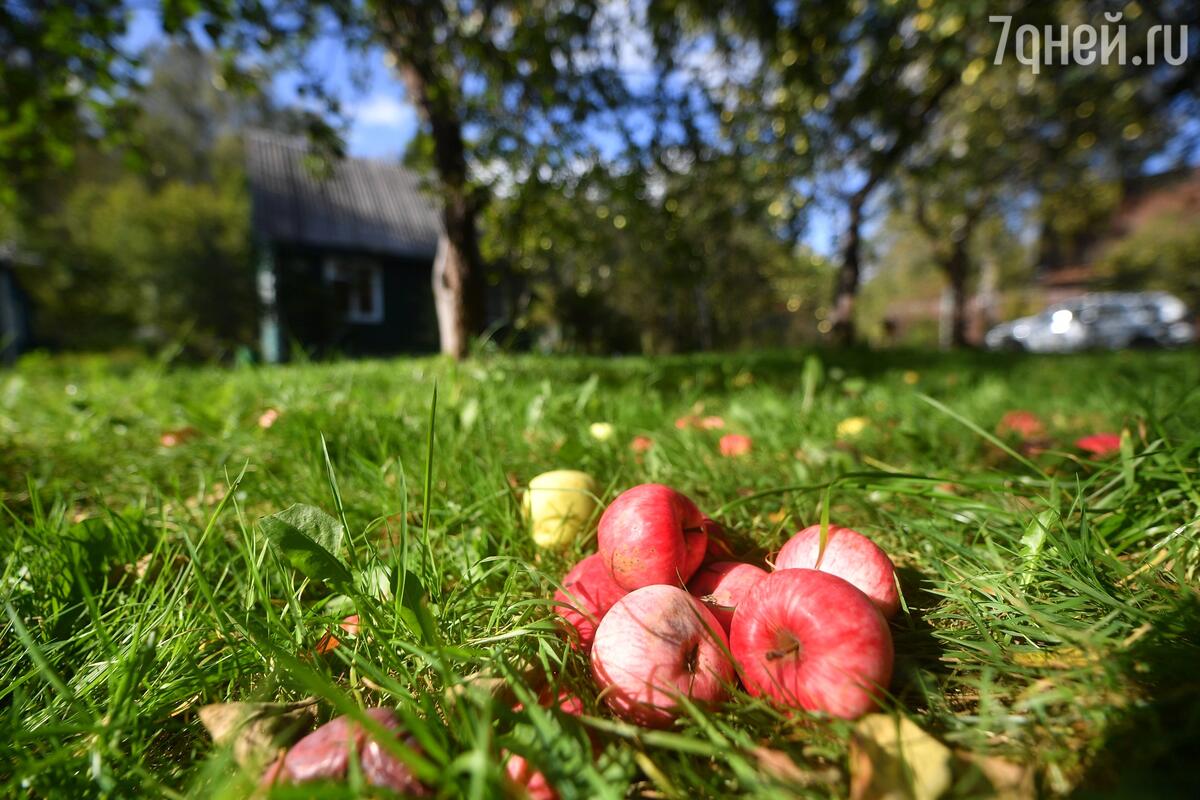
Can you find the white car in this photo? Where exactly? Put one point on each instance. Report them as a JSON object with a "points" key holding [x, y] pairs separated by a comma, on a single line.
{"points": [[1108, 321]]}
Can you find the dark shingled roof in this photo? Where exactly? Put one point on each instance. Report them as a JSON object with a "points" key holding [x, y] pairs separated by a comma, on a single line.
{"points": [[364, 205]]}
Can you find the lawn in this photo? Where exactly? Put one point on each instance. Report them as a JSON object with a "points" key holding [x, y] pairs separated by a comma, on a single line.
{"points": [[1050, 625]]}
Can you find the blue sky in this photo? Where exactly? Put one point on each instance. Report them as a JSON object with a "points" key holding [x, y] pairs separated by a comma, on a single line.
{"points": [[383, 121]]}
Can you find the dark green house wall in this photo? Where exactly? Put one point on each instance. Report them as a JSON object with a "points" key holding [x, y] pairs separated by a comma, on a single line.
{"points": [[15, 324], [311, 320]]}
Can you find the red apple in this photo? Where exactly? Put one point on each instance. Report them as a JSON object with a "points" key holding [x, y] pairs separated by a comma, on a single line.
{"points": [[656, 644], [565, 701], [529, 782], [651, 534], [722, 585], [808, 639], [588, 592], [717, 548], [324, 754], [849, 555]]}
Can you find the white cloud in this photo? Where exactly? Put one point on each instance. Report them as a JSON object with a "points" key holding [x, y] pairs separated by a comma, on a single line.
{"points": [[381, 126], [385, 110]]}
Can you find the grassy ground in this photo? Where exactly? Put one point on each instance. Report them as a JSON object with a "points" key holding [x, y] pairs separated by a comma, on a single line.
{"points": [[1051, 615]]}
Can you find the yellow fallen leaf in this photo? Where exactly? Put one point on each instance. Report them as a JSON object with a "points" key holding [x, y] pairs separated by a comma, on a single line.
{"points": [[559, 505], [892, 758]]}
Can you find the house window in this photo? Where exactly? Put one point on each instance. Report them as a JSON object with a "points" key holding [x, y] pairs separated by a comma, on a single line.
{"points": [[357, 286]]}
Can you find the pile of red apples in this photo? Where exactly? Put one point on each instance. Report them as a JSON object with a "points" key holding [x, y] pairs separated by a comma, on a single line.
{"points": [[667, 617]]}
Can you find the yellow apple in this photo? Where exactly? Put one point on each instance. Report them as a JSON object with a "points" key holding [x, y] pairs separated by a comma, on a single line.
{"points": [[559, 504]]}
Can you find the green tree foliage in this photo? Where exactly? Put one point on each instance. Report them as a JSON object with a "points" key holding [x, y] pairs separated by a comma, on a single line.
{"points": [[1162, 254], [62, 78], [1050, 151], [178, 256], [676, 262], [159, 256]]}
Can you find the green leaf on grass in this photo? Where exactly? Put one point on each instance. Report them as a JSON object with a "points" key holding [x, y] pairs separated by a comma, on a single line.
{"points": [[412, 607], [308, 539], [1034, 539], [811, 377]]}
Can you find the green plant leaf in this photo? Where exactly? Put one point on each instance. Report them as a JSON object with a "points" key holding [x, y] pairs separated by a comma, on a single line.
{"points": [[811, 377], [412, 607], [307, 538]]}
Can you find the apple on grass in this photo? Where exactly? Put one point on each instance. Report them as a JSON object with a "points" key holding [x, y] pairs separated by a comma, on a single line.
{"points": [[721, 585], [848, 555], [559, 505], [652, 534], [325, 754], [717, 548], [588, 592], [526, 781], [808, 639], [656, 644]]}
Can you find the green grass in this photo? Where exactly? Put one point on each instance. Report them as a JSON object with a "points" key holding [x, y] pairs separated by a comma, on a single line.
{"points": [[1051, 611]]}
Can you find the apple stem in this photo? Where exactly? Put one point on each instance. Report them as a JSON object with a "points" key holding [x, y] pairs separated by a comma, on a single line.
{"points": [[783, 652]]}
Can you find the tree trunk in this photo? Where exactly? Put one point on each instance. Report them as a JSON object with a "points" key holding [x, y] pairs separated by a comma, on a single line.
{"points": [[849, 272], [850, 269], [458, 293], [458, 280], [704, 317], [956, 273]]}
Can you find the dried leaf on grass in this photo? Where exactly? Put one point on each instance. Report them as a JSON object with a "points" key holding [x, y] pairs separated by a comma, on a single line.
{"points": [[993, 777], [256, 731], [779, 765], [891, 758]]}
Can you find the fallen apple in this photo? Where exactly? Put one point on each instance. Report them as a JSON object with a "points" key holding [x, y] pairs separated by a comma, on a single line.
{"points": [[528, 782], [652, 534], [325, 754], [717, 547], [721, 585], [850, 556], [588, 592], [808, 639], [656, 644], [559, 505]]}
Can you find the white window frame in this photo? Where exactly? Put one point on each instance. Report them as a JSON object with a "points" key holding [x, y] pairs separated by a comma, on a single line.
{"points": [[335, 269]]}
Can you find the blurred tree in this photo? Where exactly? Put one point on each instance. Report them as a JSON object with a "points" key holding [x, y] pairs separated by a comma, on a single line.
{"points": [[690, 259], [1066, 140], [62, 78], [189, 115], [170, 263], [1162, 254], [159, 255], [837, 93], [517, 75]]}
